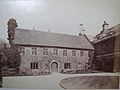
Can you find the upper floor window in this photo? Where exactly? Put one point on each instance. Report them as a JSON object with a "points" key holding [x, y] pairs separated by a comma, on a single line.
{"points": [[64, 52], [73, 52], [34, 51], [22, 50], [45, 51], [81, 53], [34, 65], [55, 51]]}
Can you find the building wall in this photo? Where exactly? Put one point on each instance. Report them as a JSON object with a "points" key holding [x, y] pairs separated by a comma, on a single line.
{"points": [[117, 53], [0, 71], [107, 54], [44, 61], [104, 55]]}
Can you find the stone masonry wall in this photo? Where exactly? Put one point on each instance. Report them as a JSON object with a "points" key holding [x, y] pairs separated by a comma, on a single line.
{"points": [[44, 61]]}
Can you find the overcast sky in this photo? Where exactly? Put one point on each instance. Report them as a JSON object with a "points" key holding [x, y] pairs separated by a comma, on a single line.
{"points": [[61, 16]]}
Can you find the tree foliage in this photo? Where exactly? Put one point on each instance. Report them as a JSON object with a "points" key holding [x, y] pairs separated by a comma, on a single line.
{"points": [[10, 57]]}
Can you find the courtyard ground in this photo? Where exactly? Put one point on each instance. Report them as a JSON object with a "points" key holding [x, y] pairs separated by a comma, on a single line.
{"points": [[51, 81], [91, 82]]}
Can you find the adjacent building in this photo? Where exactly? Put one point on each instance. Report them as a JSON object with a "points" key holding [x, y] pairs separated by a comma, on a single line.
{"points": [[0, 66], [107, 49], [50, 52]]}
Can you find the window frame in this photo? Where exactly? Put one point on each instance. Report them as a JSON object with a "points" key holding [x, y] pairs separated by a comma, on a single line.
{"points": [[65, 52], [55, 51], [73, 52], [22, 50], [34, 51], [67, 65], [45, 51], [82, 53], [34, 65]]}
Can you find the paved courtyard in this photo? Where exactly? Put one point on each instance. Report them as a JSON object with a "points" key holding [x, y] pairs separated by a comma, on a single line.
{"points": [[43, 82]]}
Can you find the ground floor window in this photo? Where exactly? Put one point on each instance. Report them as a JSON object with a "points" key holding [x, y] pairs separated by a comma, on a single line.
{"points": [[34, 65], [67, 66], [79, 65]]}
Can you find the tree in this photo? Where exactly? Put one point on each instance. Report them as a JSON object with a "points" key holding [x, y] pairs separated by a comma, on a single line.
{"points": [[10, 60], [13, 59], [0, 72]]}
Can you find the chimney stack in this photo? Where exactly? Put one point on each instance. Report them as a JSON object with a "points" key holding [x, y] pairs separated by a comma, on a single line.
{"points": [[105, 26], [81, 30]]}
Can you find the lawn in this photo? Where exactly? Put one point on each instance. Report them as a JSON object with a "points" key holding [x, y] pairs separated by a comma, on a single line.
{"points": [[90, 82]]}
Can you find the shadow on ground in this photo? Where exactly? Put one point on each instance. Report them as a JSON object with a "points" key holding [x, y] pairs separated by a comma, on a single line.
{"points": [[90, 82]]}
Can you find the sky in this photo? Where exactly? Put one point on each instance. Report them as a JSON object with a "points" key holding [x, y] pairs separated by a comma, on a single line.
{"points": [[60, 16]]}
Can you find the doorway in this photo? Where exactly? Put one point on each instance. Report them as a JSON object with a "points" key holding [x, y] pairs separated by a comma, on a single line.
{"points": [[54, 67]]}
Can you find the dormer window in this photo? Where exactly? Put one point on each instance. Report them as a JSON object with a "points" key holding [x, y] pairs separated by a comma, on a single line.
{"points": [[112, 32], [100, 37]]}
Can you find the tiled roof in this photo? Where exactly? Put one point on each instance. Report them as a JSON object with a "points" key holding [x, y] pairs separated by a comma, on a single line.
{"points": [[33, 37], [103, 35]]}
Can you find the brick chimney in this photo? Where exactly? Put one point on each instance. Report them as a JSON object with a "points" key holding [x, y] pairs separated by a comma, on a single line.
{"points": [[105, 26], [81, 30]]}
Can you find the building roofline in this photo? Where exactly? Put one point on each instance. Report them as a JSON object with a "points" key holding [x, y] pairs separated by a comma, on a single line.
{"points": [[108, 29], [88, 40], [105, 38], [47, 32], [27, 45]]}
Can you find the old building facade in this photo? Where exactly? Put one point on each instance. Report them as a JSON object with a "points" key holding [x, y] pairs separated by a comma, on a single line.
{"points": [[107, 49], [51, 52]]}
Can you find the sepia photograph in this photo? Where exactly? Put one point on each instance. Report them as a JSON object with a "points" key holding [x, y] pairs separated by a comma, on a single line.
{"points": [[59, 44]]}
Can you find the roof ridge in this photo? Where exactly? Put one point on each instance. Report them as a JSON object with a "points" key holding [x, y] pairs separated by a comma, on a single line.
{"points": [[47, 32]]}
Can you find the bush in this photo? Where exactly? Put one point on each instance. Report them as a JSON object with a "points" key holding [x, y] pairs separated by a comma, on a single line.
{"points": [[68, 71], [80, 71], [74, 71], [62, 71], [0, 84], [9, 71]]}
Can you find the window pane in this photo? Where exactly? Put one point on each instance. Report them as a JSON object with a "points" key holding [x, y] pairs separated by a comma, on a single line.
{"points": [[55, 52], [36, 65], [31, 65], [45, 51], [67, 66], [64, 52], [73, 52], [22, 50], [82, 53], [34, 51]]}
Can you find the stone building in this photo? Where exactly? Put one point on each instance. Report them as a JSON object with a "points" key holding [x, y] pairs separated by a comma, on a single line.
{"points": [[107, 49], [51, 52]]}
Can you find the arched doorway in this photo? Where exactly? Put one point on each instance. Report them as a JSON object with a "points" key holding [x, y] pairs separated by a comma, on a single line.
{"points": [[54, 67]]}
